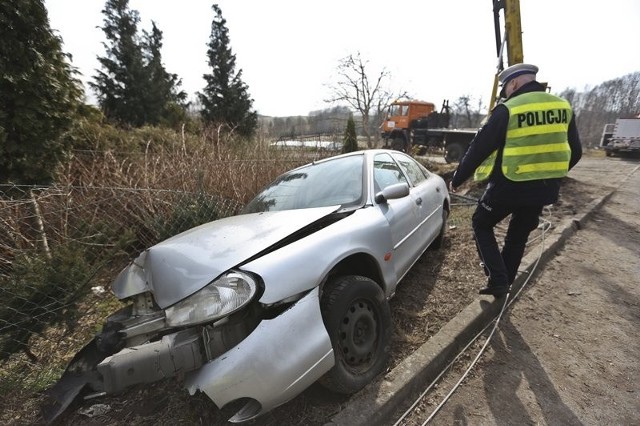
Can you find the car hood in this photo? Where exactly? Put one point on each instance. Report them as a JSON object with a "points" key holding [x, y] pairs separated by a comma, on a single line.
{"points": [[183, 264]]}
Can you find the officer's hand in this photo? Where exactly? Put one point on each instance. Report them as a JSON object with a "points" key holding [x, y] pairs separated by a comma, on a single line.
{"points": [[451, 187]]}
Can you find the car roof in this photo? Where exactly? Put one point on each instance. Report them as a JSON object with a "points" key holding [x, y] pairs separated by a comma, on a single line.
{"points": [[365, 152]]}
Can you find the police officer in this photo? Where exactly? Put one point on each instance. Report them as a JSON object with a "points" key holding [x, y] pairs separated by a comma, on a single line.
{"points": [[526, 147]]}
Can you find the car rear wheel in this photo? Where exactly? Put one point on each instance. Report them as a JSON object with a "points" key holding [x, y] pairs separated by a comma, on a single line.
{"points": [[358, 319]]}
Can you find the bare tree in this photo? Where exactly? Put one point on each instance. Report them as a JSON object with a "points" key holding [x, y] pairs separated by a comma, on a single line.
{"points": [[465, 115], [462, 111], [602, 104], [364, 94]]}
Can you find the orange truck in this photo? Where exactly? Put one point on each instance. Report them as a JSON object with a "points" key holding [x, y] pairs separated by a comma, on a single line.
{"points": [[412, 123]]}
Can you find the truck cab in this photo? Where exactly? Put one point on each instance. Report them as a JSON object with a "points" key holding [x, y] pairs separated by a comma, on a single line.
{"points": [[401, 119], [400, 114], [416, 125]]}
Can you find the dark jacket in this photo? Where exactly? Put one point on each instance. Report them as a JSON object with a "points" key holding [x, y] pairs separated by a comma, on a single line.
{"points": [[501, 190]]}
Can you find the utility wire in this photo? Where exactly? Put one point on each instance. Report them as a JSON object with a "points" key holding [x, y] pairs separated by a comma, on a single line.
{"points": [[546, 225]]}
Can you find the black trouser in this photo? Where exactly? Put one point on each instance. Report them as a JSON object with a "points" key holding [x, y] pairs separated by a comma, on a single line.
{"points": [[502, 267]]}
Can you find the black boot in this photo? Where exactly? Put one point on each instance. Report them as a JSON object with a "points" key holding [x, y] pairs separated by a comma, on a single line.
{"points": [[498, 291]]}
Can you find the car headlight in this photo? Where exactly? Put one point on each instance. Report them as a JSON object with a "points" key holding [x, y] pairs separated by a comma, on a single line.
{"points": [[227, 294]]}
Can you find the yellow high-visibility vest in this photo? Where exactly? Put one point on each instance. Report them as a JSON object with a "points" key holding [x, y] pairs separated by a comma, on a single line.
{"points": [[536, 144]]}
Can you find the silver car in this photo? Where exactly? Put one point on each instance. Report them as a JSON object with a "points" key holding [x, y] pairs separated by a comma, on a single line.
{"points": [[261, 305]]}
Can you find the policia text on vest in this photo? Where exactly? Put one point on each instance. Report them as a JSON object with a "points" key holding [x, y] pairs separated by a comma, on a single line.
{"points": [[536, 145], [538, 118]]}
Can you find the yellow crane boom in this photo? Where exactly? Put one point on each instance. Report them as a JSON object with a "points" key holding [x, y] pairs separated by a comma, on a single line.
{"points": [[512, 38]]}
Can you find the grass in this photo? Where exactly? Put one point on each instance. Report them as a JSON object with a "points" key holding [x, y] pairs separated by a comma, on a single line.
{"points": [[137, 189]]}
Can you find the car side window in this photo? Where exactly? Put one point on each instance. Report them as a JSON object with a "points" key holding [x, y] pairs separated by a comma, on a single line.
{"points": [[386, 172], [416, 173]]}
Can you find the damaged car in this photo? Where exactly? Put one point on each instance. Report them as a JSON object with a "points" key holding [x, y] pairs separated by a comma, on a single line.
{"points": [[256, 307]]}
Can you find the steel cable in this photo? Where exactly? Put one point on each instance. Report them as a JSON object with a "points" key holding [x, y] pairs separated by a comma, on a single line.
{"points": [[546, 225]]}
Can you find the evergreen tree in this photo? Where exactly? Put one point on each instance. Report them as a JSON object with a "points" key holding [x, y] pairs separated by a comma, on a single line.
{"points": [[163, 102], [225, 99], [39, 94], [120, 86], [350, 140], [133, 86]]}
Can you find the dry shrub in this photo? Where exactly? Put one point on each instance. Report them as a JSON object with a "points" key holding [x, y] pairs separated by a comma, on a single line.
{"points": [[106, 205]]}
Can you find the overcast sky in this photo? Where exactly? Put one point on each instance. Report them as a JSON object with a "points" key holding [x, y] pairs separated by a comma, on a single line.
{"points": [[289, 50]]}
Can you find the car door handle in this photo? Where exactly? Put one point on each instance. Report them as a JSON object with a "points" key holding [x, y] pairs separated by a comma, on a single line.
{"points": [[419, 201]]}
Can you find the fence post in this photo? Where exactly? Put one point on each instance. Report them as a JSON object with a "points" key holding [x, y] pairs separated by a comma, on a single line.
{"points": [[40, 224]]}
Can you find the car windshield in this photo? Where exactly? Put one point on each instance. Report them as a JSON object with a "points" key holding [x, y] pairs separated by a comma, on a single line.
{"points": [[329, 183]]}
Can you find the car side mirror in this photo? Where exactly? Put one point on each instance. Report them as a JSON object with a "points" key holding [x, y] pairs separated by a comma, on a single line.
{"points": [[392, 192]]}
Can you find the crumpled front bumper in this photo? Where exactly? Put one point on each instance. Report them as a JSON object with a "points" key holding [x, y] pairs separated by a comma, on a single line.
{"points": [[281, 358], [175, 354], [273, 364]]}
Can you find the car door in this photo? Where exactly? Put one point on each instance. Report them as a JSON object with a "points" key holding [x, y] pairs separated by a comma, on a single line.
{"points": [[401, 214], [427, 195]]}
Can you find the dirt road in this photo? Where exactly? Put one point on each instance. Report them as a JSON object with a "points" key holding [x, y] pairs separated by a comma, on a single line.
{"points": [[566, 353]]}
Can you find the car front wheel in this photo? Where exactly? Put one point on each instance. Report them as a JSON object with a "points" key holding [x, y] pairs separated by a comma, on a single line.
{"points": [[358, 319]]}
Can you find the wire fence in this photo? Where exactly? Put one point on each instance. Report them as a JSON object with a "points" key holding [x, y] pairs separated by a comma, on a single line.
{"points": [[60, 247]]}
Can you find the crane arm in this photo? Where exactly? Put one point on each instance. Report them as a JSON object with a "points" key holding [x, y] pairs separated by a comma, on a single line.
{"points": [[512, 37]]}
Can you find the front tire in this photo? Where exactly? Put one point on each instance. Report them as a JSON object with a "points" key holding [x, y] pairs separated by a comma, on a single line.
{"points": [[399, 144], [358, 320], [454, 152]]}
